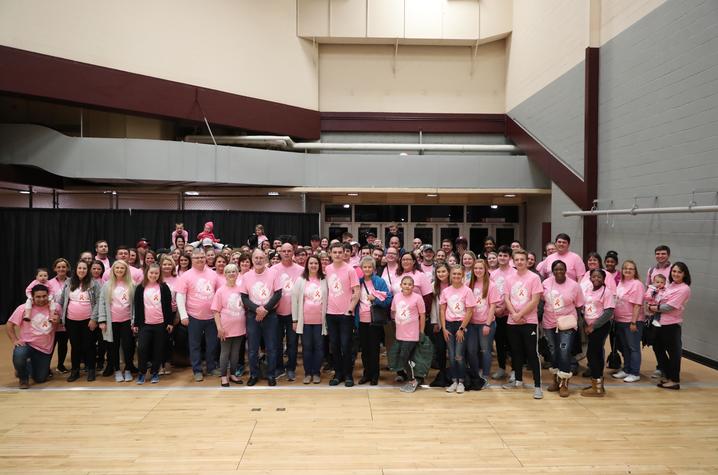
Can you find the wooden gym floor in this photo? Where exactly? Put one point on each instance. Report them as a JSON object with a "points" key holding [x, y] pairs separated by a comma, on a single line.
{"points": [[182, 427]]}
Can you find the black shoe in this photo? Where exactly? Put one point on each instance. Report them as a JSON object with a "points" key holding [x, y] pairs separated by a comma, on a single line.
{"points": [[252, 381], [272, 381], [374, 382], [90, 374], [363, 380], [349, 383], [334, 382], [61, 369], [108, 371], [74, 376]]}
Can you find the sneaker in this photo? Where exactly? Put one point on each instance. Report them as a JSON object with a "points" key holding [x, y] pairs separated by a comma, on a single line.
{"points": [[334, 382], [240, 371], [499, 374], [538, 393], [512, 378], [291, 375], [118, 377], [216, 372], [141, 379], [128, 376], [460, 388], [452, 388], [631, 378], [307, 379], [165, 370], [280, 373], [198, 377], [316, 379], [657, 374], [620, 374], [410, 387], [514, 385], [349, 383], [155, 378], [656, 324]]}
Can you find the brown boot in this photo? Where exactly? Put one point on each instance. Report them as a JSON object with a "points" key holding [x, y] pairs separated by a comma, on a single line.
{"points": [[563, 379], [553, 387], [596, 389]]}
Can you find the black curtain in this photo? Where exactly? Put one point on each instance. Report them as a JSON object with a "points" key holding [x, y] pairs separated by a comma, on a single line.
{"points": [[36, 237]]}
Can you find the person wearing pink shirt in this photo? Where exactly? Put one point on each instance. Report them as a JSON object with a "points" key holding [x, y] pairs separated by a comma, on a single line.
{"points": [[261, 293], [574, 264], [593, 262], [179, 232], [628, 318], [561, 298], [231, 321], [195, 291], [467, 262], [522, 294], [309, 310], [441, 281], [457, 303], [663, 263], [654, 295], [114, 318], [42, 276], [597, 313], [169, 277], [668, 345], [102, 250], [32, 350], [61, 267], [482, 327], [499, 277], [409, 312], [123, 253], [286, 273], [152, 320], [343, 286], [427, 262]]}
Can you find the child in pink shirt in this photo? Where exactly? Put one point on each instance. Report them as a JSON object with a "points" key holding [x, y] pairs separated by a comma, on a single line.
{"points": [[654, 295], [41, 277], [409, 312]]}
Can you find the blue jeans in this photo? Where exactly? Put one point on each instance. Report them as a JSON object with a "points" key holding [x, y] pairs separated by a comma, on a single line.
{"points": [[341, 329], [478, 348], [456, 352], [562, 342], [197, 329], [284, 327], [267, 330], [28, 360], [631, 343], [312, 349]]}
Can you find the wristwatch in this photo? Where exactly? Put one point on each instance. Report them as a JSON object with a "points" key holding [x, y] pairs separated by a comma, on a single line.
{"points": [[462, 329]]}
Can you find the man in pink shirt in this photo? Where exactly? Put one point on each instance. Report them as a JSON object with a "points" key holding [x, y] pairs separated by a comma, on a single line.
{"points": [[286, 273], [575, 267], [102, 249], [195, 291], [663, 263], [32, 350], [123, 254], [499, 277], [342, 300]]}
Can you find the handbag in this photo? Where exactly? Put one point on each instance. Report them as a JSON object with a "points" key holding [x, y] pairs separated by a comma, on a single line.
{"points": [[567, 322], [379, 315]]}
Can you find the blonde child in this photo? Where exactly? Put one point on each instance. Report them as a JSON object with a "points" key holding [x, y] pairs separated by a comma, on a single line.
{"points": [[409, 313]]}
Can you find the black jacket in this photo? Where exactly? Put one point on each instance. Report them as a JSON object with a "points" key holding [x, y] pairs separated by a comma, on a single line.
{"points": [[139, 305]]}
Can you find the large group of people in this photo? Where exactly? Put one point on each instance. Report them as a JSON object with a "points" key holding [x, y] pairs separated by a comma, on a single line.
{"points": [[220, 308]]}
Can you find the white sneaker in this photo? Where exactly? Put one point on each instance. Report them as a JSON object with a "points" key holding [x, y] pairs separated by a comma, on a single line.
{"points": [[620, 374], [452, 388], [460, 388], [514, 385], [631, 378], [499, 374], [657, 374], [118, 377], [656, 323], [538, 393], [128, 377], [512, 378]]}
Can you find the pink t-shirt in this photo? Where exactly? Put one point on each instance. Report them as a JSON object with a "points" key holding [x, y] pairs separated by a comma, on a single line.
{"points": [[586, 283], [312, 310], [39, 332], [481, 311], [79, 307], [198, 287], [389, 276], [628, 294], [499, 277], [221, 280], [228, 302], [286, 277], [56, 290], [105, 262], [664, 271], [153, 304], [520, 289], [428, 271], [136, 274], [120, 303], [28, 289], [560, 300], [407, 310], [355, 260], [675, 295], [575, 267], [364, 304], [653, 295], [259, 287], [341, 281], [595, 302], [171, 282], [457, 300]]}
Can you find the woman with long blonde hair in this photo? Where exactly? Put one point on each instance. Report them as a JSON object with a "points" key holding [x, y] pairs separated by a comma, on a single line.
{"points": [[114, 317]]}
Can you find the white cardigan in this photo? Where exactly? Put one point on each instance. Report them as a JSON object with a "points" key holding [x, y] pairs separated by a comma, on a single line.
{"points": [[298, 304]]}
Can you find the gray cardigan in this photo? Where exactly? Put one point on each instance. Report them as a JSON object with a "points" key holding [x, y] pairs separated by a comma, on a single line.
{"points": [[104, 313], [298, 304], [94, 292]]}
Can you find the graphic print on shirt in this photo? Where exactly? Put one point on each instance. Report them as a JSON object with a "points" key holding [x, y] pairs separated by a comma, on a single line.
{"points": [[204, 289], [153, 297], [480, 300], [259, 293], [313, 293], [519, 293], [234, 304], [456, 304], [556, 300], [403, 314], [120, 293], [40, 324], [589, 307], [335, 285], [79, 295], [286, 283], [500, 284]]}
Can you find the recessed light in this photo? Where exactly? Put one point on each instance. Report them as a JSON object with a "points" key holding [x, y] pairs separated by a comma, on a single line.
{"points": [[191, 193], [403, 154], [352, 194], [347, 206], [273, 193], [510, 195], [494, 206], [24, 192], [432, 195]]}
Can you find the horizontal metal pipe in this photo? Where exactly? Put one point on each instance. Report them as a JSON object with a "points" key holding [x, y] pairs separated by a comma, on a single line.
{"points": [[635, 211]]}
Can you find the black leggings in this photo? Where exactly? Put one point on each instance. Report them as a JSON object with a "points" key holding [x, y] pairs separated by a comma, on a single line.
{"points": [[524, 348], [61, 343], [151, 343], [502, 341], [369, 339], [669, 349], [82, 342], [122, 338], [439, 345], [595, 351]]}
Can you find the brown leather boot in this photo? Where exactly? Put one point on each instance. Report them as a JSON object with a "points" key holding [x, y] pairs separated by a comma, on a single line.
{"points": [[596, 389], [553, 387], [563, 387]]}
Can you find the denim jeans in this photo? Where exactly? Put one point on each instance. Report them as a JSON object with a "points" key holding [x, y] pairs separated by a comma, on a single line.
{"points": [[312, 349], [341, 328], [284, 328], [631, 344], [27, 359], [562, 342], [456, 352], [267, 330], [198, 329], [478, 348]]}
